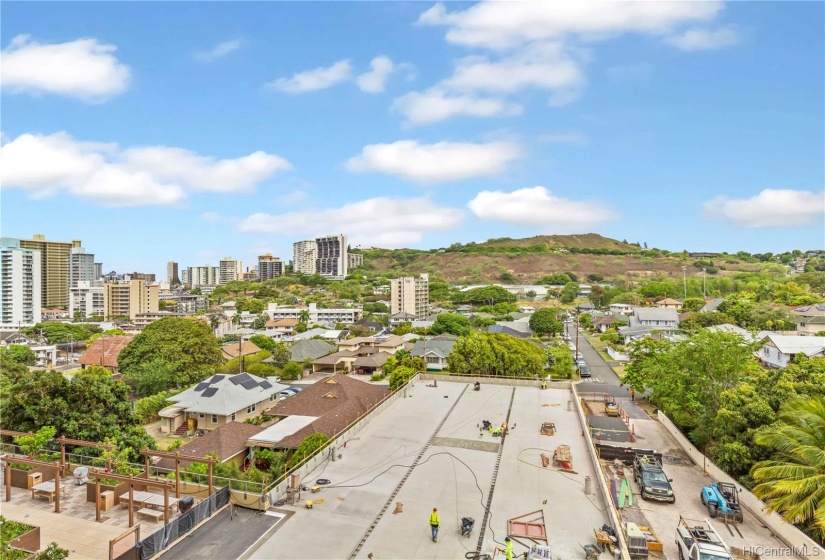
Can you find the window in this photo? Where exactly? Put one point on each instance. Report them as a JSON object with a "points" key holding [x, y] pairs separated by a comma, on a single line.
{"points": [[201, 415], [251, 409], [273, 397], [233, 416], [214, 418]]}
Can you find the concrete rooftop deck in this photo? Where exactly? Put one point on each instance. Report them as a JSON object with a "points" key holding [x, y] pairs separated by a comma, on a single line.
{"points": [[359, 491]]}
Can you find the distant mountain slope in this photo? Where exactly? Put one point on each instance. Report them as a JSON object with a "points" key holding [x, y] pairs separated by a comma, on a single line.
{"points": [[526, 260]]}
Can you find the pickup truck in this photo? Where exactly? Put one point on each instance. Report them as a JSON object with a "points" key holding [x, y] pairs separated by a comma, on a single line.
{"points": [[652, 480], [700, 542]]}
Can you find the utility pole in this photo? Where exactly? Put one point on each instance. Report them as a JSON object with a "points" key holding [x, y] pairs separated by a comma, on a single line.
{"points": [[704, 284], [578, 367], [240, 354], [684, 279]]}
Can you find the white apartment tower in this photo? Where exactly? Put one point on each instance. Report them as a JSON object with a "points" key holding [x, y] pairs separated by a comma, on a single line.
{"points": [[304, 254], [230, 270], [81, 267], [411, 295], [202, 275], [86, 299], [20, 284]]}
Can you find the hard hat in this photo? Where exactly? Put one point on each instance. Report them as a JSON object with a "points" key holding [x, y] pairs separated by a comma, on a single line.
{"points": [[506, 539]]}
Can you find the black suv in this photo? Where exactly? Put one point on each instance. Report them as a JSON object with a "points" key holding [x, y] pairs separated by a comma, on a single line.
{"points": [[652, 480]]}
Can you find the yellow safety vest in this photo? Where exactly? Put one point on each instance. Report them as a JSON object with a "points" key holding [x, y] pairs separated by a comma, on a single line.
{"points": [[434, 519], [508, 551]]}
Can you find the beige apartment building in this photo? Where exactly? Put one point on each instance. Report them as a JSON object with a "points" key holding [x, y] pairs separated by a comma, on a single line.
{"points": [[410, 295], [54, 269], [127, 299]]}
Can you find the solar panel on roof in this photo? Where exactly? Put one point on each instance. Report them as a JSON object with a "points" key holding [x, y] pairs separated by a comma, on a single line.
{"points": [[240, 378], [265, 384], [211, 391], [201, 386], [251, 384], [216, 378]]}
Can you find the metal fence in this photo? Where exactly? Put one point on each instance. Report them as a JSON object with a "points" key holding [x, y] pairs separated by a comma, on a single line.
{"points": [[182, 525]]}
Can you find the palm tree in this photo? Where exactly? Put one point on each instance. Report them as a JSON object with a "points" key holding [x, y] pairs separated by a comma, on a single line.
{"points": [[792, 483], [303, 316]]}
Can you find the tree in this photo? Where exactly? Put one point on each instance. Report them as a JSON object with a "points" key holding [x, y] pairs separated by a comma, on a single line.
{"points": [[187, 346], [215, 320], [263, 342], [58, 333], [496, 354], [399, 376], [508, 278], [568, 295], [292, 371], [20, 354], [531, 294], [597, 295], [32, 444], [791, 482], [692, 304], [586, 320], [152, 377], [280, 353], [308, 447], [260, 322], [489, 295], [303, 316], [545, 322], [452, 323], [697, 320], [555, 279], [560, 361]]}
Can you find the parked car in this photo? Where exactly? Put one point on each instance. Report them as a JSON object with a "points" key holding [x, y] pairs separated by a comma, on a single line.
{"points": [[652, 480], [584, 371]]}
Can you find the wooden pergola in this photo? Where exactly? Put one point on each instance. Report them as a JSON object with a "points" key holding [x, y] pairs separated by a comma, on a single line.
{"points": [[149, 453], [10, 458], [64, 441], [165, 486]]}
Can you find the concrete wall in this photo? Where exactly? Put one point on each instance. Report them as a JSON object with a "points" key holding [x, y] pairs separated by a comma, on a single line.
{"points": [[509, 381], [597, 466], [337, 445], [793, 537], [618, 356]]}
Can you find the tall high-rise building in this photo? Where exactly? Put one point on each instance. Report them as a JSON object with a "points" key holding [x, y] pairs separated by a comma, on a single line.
{"points": [[172, 273], [203, 275], [304, 254], [98, 271], [81, 267], [184, 276], [86, 300], [54, 269], [332, 258], [146, 276], [411, 295], [230, 270], [127, 299], [354, 260], [20, 284], [269, 267]]}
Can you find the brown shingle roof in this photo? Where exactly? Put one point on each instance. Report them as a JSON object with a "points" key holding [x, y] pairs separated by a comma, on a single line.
{"points": [[230, 351], [337, 401], [226, 441], [282, 322], [105, 350]]}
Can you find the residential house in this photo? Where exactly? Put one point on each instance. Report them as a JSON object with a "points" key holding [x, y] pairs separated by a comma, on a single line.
{"points": [[620, 308], [604, 322], [734, 329], [332, 336], [400, 318], [307, 350], [518, 329], [669, 302], [584, 290], [232, 350], [219, 400], [227, 442], [527, 309], [143, 319], [711, 305], [464, 309], [44, 354], [315, 314], [365, 325], [586, 307], [645, 320], [434, 351], [778, 350], [54, 314], [327, 407], [104, 351], [280, 328], [810, 319], [391, 343]]}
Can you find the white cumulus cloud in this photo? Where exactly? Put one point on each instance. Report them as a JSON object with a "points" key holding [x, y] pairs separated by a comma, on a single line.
{"points": [[704, 39], [508, 24], [769, 208], [47, 165], [434, 163], [382, 221], [539, 207], [435, 105], [316, 79], [84, 68], [219, 51], [375, 80]]}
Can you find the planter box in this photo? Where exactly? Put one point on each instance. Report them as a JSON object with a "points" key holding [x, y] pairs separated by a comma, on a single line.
{"points": [[91, 485], [20, 478], [29, 542]]}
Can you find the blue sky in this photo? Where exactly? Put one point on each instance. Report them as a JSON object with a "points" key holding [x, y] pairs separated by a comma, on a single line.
{"points": [[193, 131]]}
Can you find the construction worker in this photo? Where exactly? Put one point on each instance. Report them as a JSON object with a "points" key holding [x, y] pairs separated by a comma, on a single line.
{"points": [[544, 384], [632, 395], [504, 428], [434, 524], [508, 548]]}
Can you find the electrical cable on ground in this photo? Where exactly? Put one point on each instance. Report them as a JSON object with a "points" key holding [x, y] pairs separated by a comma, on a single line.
{"points": [[580, 483]]}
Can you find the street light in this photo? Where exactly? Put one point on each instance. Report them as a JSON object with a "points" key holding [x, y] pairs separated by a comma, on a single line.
{"points": [[684, 279]]}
